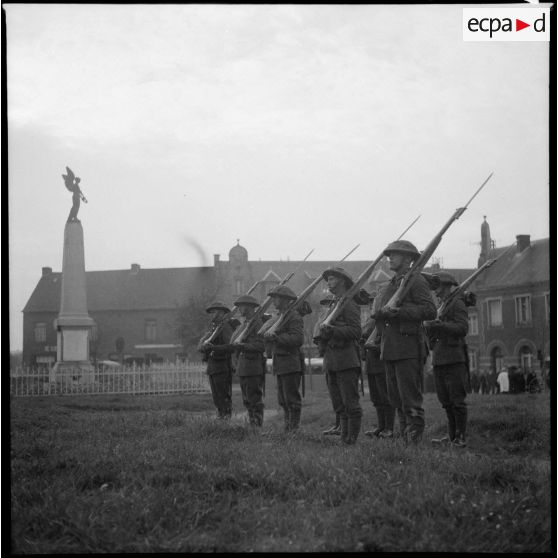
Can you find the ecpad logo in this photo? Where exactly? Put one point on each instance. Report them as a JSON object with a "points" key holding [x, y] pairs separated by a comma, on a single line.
{"points": [[506, 24]]}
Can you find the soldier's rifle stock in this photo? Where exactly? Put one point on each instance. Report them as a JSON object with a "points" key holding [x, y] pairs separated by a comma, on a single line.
{"points": [[296, 304], [244, 330], [415, 270], [355, 288], [211, 335]]}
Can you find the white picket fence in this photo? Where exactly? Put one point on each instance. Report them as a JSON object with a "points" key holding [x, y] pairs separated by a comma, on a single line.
{"points": [[157, 379]]}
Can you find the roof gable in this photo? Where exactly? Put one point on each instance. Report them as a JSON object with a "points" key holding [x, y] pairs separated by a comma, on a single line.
{"points": [[514, 268]]}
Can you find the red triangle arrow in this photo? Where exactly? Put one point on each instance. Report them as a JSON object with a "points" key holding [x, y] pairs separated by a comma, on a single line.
{"points": [[519, 25]]}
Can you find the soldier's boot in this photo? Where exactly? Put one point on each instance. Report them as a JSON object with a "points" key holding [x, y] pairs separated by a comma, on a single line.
{"points": [[353, 429], [224, 414], [253, 418], [402, 423], [286, 418], [344, 429], [460, 430], [381, 423], [451, 424], [413, 436], [294, 419], [334, 430], [259, 415], [389, 420]]}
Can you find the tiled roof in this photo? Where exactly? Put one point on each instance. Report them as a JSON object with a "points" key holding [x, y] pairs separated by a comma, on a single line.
{"points": [[515, 268], [126, 289], [167, 288]]}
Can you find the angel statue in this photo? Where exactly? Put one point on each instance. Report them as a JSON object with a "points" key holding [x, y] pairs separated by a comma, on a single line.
{"points": [[72, 183]]}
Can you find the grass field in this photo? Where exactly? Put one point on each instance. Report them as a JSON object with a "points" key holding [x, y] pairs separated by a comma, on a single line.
{"points": [[159, 474]]}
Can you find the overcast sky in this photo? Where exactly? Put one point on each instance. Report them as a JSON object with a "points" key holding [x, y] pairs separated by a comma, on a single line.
{"points": [[288, 127]]}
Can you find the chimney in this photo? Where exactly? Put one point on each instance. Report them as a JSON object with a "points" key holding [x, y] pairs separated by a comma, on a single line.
{"points": [[523, 241], [216, 260], [135, 268], [46, 271]]}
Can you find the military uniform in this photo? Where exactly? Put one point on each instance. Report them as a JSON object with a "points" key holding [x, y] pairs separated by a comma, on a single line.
{"points": [[342, 361], [377, 383], [219, 366], [250, 367], [325, 302], [288, 362], [449, 359], [403, 346]]}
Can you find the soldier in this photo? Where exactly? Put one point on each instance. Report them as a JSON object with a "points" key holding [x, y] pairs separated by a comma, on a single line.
{"points": [[287, 362], [447, 342], [218, 357], [341, 357], [250, 365], [325, 303], [377, 384], [403, 347]]}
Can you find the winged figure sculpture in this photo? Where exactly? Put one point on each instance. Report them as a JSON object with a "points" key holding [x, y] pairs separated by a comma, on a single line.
{"points": [[71, 181]]}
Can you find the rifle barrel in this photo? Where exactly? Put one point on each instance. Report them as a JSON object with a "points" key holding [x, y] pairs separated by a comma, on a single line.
{"points": [[409, 227], [480, 188]]}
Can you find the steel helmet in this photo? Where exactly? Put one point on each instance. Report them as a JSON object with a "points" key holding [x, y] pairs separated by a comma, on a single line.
{"points": [[284, 291], [446, 278], [403, 247], [217, 305], [246, 299], [338, 272]]}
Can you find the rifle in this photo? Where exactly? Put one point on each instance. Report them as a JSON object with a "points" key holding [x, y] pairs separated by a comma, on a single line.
{"points": [[410, 277], [213, 334], [355, 288], [296, 304], [459, 290], [416, 269], [243, 331]]}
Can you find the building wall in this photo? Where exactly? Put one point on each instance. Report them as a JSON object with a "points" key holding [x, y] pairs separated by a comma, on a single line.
{"points": [[128, 324], [131, 326], [42, 349], [511, 336]]}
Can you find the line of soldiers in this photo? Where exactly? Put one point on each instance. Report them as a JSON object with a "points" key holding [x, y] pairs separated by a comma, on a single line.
{"points": [[399, 340]]}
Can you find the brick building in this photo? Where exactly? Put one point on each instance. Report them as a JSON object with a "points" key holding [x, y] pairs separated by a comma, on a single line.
{"points": [[510, 325], [136, 310]]}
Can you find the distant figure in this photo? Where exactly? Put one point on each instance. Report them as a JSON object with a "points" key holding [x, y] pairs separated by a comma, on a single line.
{"points": [[493, 382], [503, 381], [513, 377], [483, 380], [72, 183], [475, 382], [530, 380], [546, 374]]}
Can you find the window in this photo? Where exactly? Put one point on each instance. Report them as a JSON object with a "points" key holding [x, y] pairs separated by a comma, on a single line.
{"points": [[523, 309], [40, 332], [473, 323], [494, 312], [473, 360], [150, 330]]}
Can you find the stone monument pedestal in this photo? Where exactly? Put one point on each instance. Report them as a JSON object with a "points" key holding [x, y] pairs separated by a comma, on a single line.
{"points": [[73, 324]]}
